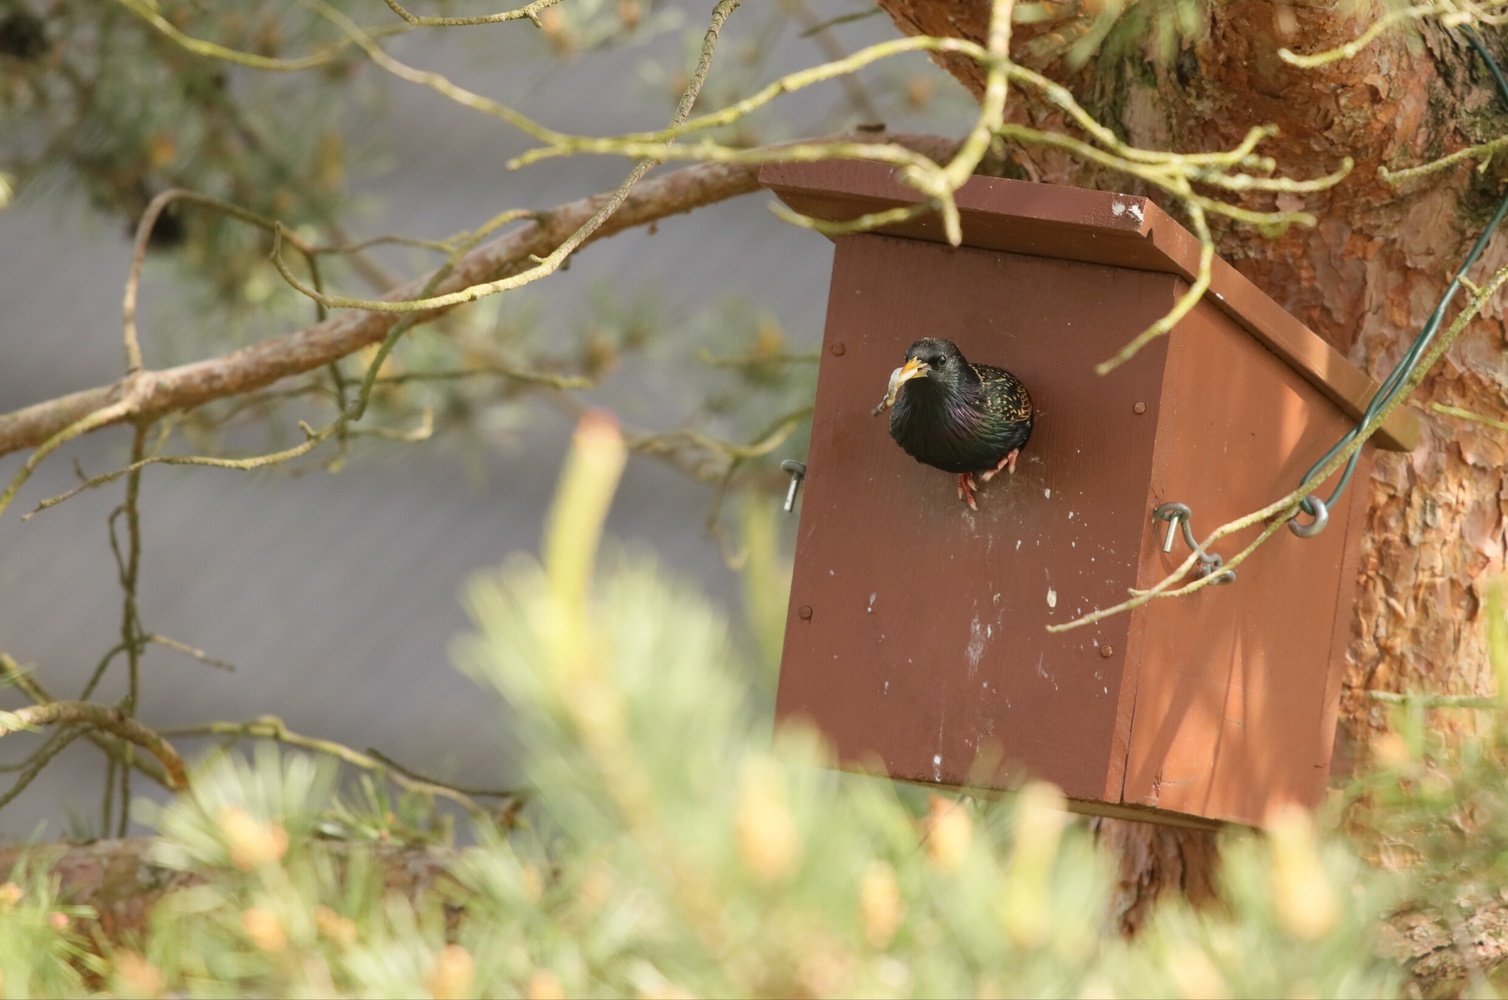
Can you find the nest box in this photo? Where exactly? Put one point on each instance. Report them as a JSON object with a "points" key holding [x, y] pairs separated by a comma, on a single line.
{"points": [[917, 636]]}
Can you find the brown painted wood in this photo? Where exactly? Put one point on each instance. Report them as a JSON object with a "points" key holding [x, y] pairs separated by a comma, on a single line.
{"points": [[916, 630], [1235, 706], [1090, 226]]}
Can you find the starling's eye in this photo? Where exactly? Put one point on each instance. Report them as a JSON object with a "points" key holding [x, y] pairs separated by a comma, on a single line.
{"points": [[940, 362]]}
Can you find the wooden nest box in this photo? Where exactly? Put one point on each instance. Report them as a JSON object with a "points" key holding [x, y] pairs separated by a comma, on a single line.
{"points": [[917, 637]]}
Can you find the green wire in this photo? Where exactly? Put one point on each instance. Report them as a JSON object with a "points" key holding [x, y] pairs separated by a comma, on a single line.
{"points": [[1405, 367]]}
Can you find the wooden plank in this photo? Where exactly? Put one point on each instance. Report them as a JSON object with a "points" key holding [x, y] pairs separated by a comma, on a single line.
{"points": [[1096, 227]]}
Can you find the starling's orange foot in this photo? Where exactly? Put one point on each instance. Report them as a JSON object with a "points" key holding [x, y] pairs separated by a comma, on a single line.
{"points": [[966, 490], [1008, 463]]}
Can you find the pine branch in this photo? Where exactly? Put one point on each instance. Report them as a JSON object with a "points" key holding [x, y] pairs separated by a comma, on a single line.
{"points": [[150, 394]]}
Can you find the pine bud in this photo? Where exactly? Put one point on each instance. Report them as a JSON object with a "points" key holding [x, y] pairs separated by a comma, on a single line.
{"points": [[136, 977], [919, 91], [264, 929], [251, 844], [768, 843], [338, 930], [543, 985], [948, 832], [1026, 912], [553, 25], [453, 975], [1196, 976], [880, 905], [1302, 896]]}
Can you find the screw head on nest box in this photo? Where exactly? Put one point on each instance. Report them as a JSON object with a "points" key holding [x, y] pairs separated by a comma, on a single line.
{"points": [[964, 418]]}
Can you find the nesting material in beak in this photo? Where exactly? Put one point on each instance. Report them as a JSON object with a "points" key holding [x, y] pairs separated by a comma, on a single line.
{"points": [[905, 373]]}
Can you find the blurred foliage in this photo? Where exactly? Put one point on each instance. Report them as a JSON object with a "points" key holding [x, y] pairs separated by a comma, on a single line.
{"points": [[1437, 804], [671, 848], [92, 98], [42, 952]]}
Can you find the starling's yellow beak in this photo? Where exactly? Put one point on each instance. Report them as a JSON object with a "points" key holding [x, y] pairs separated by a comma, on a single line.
{"points": [[905, 373]]}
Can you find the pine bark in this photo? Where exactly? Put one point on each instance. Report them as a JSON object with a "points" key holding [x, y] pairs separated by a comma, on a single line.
{"points": [[1365, 278]]}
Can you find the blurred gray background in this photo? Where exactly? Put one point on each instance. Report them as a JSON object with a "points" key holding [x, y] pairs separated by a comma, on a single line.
{"points": [[335, 596]]}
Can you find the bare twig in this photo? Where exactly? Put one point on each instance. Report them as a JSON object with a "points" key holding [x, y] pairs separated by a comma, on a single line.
{"points": [[153, 394], [33, 765], [312, 439], [189, 651], [530, 11], [1485, 152], [1476, 418], [434, 81], [132, 635], [551, 262], [678, 446], [111, 720], [832, 50], [144, 228], [20, 678], [269, 727], [1367, 37], [1435, 700], [320, 57], [484, 793], [1185, 304]]}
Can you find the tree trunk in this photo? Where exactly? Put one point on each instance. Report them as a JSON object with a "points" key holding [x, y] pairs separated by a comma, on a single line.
{"points": [[1365, 278]]}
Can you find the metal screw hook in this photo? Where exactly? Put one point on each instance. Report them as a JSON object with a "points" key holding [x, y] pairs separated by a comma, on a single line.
{"points": [[1179, 515], [1174, 513], [1206, 568], [1321, 518], [798, 473]]}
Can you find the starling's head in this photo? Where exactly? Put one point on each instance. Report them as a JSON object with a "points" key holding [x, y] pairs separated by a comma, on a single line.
{"points": [[934, 359]]}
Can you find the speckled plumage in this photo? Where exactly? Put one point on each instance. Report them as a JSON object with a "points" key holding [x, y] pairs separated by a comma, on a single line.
{"points": [[960, 417]]}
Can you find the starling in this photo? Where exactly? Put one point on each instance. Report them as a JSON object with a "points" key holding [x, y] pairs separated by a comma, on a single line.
{"points": [[957, 416]]}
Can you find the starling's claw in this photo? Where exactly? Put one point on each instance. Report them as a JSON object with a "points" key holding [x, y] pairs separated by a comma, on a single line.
{"points": [[966, 488], [1007, 463]]}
